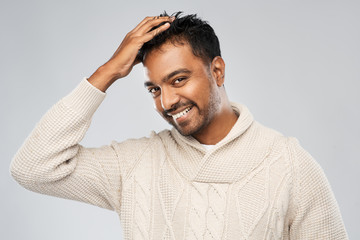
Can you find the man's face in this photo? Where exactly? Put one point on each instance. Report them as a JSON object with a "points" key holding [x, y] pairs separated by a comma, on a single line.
{"points": [[185, 93]]}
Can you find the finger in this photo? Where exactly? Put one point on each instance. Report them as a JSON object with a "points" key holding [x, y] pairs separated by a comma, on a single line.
{"points": [[142, 23], [147, 26], [151, 23], [150, 35], [147, 20]]}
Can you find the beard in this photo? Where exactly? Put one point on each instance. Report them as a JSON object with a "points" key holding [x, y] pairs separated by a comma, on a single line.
{"points": [[203, 118]]}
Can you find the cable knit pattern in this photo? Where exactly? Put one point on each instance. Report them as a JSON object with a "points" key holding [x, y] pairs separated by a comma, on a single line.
{"points": [[206, 218], [215, 214], [253, 184], [170, 188], [142, 203], [197, 212]]}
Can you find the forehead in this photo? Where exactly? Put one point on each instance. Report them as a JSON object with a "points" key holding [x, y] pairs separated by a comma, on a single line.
{"points": [[169, 58]]}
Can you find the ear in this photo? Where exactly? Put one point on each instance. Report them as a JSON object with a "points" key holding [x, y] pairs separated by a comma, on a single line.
{"points": [[218, 70]]}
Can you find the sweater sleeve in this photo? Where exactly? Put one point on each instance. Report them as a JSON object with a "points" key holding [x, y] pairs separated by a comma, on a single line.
{"points": [[317, 215], [52, 162]]}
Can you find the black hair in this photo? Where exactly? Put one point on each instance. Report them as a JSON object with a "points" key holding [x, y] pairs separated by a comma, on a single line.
{"points": [[186, 29]]}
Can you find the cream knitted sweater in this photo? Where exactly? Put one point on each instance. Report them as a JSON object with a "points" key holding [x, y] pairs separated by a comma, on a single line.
{"points": [[254, 184]]}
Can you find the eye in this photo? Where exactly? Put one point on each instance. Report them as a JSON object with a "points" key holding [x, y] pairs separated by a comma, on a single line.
{"points": [[154, 90], [178, 80]]}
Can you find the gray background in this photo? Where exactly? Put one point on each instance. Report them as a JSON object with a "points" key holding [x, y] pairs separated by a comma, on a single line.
{"points": [[295, 64]]}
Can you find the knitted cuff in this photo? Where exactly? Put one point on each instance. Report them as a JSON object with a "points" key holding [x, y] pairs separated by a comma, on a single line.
{"points": [[84, 99]]}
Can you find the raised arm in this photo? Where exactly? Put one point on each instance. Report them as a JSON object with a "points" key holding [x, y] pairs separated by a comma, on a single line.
{"points": [[52, 162], [125, 57]]}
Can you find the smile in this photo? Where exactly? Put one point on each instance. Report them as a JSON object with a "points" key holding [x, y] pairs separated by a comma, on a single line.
{"points": [[180, 114]]}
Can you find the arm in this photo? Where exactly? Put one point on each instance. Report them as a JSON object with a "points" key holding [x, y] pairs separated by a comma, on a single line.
{"points": [[124, 58], [51, 161], [317, 215]]}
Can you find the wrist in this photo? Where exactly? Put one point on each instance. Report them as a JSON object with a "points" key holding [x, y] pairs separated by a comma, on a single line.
{"points": [[103, 77]]}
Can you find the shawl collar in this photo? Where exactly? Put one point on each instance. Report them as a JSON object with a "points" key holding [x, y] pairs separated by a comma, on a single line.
{"points": [[240, 152]]}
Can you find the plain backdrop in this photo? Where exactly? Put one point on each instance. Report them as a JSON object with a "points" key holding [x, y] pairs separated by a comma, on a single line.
{"points": [[295, 64]]}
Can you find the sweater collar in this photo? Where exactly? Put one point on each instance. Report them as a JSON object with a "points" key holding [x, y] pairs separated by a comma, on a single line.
{"points": [[221, 163], [243, 122]]}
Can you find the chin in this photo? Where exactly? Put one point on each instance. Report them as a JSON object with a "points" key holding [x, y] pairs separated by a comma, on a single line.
{"points": [[189, 130], [184, 133]]}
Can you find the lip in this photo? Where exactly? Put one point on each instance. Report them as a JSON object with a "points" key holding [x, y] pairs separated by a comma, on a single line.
{"points": [[170, 114], [184, 117]]}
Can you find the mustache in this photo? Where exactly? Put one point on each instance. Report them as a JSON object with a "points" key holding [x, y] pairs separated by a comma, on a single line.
{"points": [[177, 106]]}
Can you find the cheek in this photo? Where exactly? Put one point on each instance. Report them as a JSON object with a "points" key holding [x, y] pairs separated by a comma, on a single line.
{"points": [[197, 90]]}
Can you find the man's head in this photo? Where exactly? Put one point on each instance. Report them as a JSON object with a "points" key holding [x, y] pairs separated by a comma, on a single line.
{"points": [[185, 75], [187, 29]]}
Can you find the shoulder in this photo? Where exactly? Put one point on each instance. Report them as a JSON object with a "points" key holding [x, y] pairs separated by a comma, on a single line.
{"points": [[132, 145], [131, 152], [265, 137], [133, 148], [265, 131]]}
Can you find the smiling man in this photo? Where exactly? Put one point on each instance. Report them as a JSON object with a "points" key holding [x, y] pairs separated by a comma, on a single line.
{"points": [[218, 174], [188, 91]]}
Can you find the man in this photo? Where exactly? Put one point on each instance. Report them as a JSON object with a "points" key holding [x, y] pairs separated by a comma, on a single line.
{"points": [[218, 174]]}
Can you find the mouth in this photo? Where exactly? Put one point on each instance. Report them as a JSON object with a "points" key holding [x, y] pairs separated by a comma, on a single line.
{"points": [[180, 114]]}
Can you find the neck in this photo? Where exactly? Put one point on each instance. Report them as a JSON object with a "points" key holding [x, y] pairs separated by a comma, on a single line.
{"points": [[219, 127]]}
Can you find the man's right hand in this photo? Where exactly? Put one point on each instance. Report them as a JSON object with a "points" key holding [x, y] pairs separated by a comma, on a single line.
{"points": [[124, 58]]}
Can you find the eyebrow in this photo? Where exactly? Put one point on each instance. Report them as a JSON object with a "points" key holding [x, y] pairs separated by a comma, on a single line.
{"points": [[170, 75]]}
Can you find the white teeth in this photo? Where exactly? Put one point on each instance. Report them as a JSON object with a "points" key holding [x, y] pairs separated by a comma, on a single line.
{"points": [[180, 114]]}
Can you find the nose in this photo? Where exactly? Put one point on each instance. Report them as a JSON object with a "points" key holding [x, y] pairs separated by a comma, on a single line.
{"points": [[169, 98]]}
